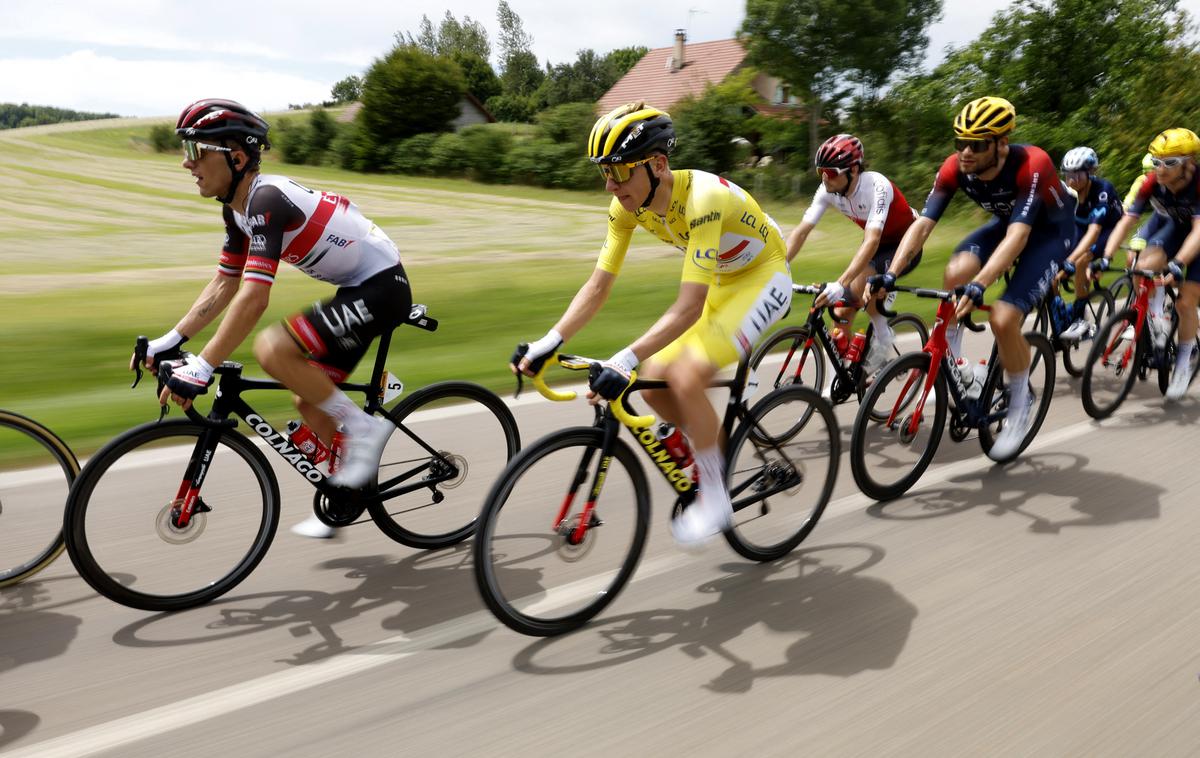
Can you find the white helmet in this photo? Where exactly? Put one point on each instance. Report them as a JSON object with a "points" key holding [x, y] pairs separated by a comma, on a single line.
{"points": [[1080, 159]]}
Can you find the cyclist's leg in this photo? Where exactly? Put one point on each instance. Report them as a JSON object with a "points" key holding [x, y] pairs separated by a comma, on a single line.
{"points": [[964, 265], [1185, 342]]}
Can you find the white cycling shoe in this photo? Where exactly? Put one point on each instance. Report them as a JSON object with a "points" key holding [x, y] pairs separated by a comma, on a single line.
{"points": [[1076, 331], [361, 453], [315, 528], [882, 351], [1016, 425], [701, 521], [1180, 379]]}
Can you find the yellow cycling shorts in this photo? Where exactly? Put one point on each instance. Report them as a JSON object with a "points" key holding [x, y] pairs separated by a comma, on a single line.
{"points": [[736, 315]]}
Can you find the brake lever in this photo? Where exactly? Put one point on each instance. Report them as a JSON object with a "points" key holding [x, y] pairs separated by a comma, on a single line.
{"points": [[140, 348]]}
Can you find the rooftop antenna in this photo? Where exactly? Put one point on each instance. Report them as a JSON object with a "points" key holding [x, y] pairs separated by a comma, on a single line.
{"points": [[693, 12]]}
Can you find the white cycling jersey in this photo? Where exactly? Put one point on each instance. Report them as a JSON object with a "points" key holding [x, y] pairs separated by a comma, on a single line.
{"points": [[875, 203]]}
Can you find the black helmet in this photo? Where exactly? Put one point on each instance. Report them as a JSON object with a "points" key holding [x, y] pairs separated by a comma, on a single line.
{"points": [[631, 133], [223, 120]]}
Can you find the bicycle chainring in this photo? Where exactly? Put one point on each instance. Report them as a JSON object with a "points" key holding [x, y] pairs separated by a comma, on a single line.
{"points": [[336, 512], [841, 390]]}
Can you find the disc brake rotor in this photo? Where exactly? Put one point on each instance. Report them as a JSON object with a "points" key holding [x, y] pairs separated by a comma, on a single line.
{"points": [[168, 531]]}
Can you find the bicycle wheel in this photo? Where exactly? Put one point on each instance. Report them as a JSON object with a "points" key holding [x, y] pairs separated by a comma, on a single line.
{"points": [[1098, 306], [910, 334], [36, 471], [780, 477], [995, 395], [119, 529], [1112, 365], [456, 437], [531, 571], [1122, 291], [888, 457], [789, 356]]}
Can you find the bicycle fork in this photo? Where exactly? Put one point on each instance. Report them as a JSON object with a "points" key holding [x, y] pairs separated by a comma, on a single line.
{"points": [[581, 473], [187, 499]]}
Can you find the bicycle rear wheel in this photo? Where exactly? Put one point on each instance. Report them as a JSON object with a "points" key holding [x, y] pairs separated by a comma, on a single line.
{"points": [[790, 356], [1112, 366], [887, 457], [36, 471], [910, 334], [1041, 379], [533, 571], [1098, 306], [780, 476], [455, 438], [119, 524]]}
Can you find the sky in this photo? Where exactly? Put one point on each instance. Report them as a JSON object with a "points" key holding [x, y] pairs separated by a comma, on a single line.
{"points": [[151, 57]]}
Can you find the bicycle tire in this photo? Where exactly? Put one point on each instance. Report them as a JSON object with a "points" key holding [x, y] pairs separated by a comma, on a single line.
{"points": [[1043, 354], [1097, 307], [1106, 340], [432, 525], [917, 366], [66, 461], [773, 465], [488, 556], [1122, 291], [785, 343], [114, 581]]}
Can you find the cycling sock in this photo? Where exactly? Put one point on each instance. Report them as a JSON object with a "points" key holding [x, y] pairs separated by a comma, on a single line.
{"points": [[712, 477], [346, 413], [954, 337], [880, 322], [1156, 301], [1018, 388], [1184, 356]]}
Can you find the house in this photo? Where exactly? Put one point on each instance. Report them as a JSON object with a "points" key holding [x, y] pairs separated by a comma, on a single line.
{"points": [[470, 111], [666, 75]]}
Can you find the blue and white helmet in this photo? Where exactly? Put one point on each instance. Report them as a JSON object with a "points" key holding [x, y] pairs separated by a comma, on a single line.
{"points": [[1080, 159]]}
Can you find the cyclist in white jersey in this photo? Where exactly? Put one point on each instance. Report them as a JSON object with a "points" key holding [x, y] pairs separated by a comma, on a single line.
{"points": [[269, 219], [877, 205]]}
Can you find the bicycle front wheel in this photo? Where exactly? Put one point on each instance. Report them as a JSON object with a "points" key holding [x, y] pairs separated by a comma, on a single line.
{"points": [[787, 357], [538, 571], [888, 456], [452, 441], [121, 528], [781, 475], [1112, 365], [36, 471], [1098, 306]]}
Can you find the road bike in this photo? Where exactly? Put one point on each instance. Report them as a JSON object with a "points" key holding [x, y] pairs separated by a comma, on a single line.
{"points": [[895, 437], [565, 524], [36, 471], [1124, 349], [1053, 316], [803, 354], [173, 514]]}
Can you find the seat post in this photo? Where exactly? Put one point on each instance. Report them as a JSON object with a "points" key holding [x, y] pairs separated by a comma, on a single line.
{"points": [[385, 341]]}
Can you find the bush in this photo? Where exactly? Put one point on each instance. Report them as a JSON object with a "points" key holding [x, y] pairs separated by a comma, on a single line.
{"points": [[568, 124], [484, 148], [163, 139], [409, 92], [447, 154], [412, 156], [291, 140]]}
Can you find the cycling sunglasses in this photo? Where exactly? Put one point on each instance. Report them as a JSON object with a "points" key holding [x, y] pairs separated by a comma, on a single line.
{"points": [[830, 173], [192, 149], [620, 172], [1171, 162], [977, 145]]}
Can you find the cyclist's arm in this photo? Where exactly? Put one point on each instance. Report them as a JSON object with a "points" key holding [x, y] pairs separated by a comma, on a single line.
{"points": [[866, 251], [1006, 252], [797, 238], [1191, 244], [1119, 233], [245, 311], [587, 302], [1082, 250], [684, 312], [914, 240], [214, 298]]}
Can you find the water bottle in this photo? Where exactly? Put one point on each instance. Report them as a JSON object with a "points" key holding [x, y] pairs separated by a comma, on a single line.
{"points": [[966, 377], [854, 352], [307, 441], [980, 378], [672, 439], [335, 451], [841, 341]]}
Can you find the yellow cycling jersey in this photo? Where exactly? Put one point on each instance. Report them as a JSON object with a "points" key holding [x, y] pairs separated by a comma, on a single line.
{"points": [[722, 231], [1133, 190]]}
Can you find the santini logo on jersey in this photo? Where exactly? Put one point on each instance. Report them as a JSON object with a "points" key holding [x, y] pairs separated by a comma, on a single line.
{"points": [[706, 218]]}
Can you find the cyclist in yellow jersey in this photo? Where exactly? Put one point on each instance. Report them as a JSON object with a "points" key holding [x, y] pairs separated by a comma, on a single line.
{"points": [[734, 285], [1147, 229]]}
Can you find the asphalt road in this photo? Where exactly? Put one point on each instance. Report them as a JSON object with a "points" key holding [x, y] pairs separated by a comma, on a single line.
{"points": [[1046, 607]]}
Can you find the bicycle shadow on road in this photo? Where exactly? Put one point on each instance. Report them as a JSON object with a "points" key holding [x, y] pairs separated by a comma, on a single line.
{"points": [[1101, 498], [1185, 413], [427, 588], [843, 623], [28, 636]]}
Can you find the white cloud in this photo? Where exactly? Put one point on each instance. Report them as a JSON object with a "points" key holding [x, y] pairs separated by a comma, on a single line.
{"points": [[87, 81]]}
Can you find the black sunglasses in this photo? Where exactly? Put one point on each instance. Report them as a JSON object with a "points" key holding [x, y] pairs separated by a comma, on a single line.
{"points": [[977, 145]]}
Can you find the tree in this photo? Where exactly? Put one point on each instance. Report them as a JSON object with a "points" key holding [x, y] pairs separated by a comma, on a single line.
{"points": [[588, 78], [408, 92], [817, 46], [451, 38], [519, 70], [348, 90], [707, 125], [482, 81]]}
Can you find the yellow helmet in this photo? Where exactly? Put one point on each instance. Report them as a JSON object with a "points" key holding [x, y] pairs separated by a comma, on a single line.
{"points": [[985, 117], [630, 133], [1175, 142]]}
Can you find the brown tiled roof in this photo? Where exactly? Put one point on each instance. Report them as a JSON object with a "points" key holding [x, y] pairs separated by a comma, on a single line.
{"points": [[653, 81]]}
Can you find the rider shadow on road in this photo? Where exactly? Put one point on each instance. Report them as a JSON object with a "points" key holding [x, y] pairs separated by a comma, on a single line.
{"points": [[1160, 413], [1101, 498], [428, 588], [844, 623]]}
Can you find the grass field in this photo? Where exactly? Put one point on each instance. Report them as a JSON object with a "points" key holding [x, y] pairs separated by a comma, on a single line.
{"points": [[108, 240]]}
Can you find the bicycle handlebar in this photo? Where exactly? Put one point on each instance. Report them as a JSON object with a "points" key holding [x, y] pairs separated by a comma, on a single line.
{"points": [[948, 296], [578, 363]]}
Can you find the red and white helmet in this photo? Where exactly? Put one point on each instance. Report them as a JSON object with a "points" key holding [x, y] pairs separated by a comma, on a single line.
{"points": [[840, 151], [217, 119]]}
